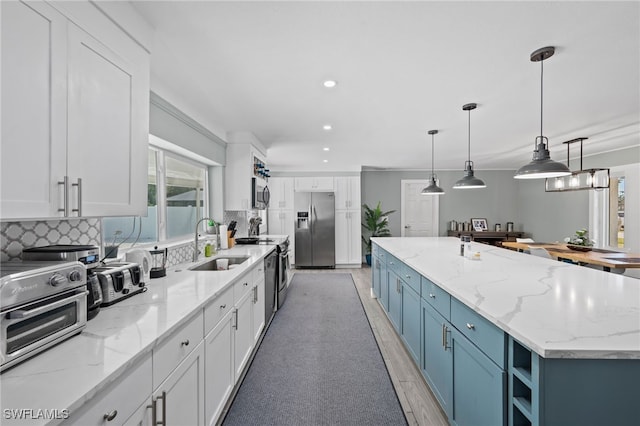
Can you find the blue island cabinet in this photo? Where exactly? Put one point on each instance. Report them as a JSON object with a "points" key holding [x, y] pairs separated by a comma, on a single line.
{"points": [[565, 391], [395, 300], [410, 324]]}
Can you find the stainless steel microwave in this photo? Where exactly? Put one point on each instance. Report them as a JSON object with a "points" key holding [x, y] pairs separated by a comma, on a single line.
{"points": [[259, 194]]}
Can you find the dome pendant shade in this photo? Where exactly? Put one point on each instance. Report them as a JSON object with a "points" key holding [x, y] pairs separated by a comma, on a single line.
{"points": [[469, 181], [542, 166], [432, 188]]}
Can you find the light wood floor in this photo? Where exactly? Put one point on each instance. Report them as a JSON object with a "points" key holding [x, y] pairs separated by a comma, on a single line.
{"points": [[419, 404]]}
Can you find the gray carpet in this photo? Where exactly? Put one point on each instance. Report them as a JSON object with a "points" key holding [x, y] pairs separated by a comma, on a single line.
{"points": [[318, 364]]}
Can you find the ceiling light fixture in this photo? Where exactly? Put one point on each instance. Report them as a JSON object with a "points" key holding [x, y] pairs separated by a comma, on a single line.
{"points": [[580, 179], [469, 181], [326, 148], [325, 161], [432, 188], [542, 166], [330, 83], [327, 127]]}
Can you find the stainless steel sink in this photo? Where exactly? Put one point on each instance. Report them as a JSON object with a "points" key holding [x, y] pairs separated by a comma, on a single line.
{"points": [[212, 265]]}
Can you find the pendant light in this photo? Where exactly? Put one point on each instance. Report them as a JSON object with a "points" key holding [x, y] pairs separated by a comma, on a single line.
{"points": [[469, 181], [432, 188], [542, 166], [578, 179]]}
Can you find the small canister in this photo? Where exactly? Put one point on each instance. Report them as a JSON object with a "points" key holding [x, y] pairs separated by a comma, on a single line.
{"points": [[498, 227], [509, 226]]}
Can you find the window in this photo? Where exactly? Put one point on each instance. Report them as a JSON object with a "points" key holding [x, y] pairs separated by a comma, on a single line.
{"points": [[176, 199], [616, 212]]}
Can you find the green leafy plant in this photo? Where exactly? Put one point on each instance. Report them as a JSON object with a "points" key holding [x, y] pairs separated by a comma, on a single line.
{"points": [[581, 238], [376, 223]]}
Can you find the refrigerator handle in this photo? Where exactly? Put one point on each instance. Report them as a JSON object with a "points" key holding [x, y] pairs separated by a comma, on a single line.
{"points": [[310, 219]]}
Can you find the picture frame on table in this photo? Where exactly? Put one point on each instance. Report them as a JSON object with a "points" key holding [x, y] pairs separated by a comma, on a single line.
{"points": [[479, 224]]}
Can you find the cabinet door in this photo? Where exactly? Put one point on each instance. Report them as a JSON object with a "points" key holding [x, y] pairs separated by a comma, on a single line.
{"points": [[375, 280], [244, 337], [281, 193], [219, 370], [384, 286], [108, 104], [438, 359], [342, 232], [395, 301], [179, 400], [411, 321], [142, 416], [355, 237], [478, 385], [34, 90], [347, 190]]}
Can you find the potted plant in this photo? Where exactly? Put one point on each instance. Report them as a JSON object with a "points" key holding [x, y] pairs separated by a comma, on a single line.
{"points": [[580, 241], [375, 221]]}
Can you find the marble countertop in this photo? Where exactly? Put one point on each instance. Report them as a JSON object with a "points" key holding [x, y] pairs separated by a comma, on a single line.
{"points": [[71, 373], [557, 309]]}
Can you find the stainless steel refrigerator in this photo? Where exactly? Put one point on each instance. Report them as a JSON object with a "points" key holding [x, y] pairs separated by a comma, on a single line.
{"points": [[315, 229]]}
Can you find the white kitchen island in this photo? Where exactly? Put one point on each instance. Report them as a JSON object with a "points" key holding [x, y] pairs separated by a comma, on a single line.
{"points": [[512, 338]]}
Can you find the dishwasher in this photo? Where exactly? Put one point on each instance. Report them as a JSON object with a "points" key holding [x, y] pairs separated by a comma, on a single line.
{"points": [[270, 287]]}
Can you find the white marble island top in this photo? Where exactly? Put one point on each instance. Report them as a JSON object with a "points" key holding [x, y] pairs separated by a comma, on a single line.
{"points": [[557, 309], [66, 376]]}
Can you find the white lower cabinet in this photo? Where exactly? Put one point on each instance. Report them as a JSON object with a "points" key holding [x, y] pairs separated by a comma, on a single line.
{"points": [[243, 331], [219, 370], [142, 416], [348, 237]]}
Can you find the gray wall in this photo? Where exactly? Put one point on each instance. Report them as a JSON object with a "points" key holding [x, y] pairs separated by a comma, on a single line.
{"points": [[545, 216], [497, 203]]}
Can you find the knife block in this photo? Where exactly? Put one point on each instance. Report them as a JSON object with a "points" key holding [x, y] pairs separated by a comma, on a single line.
{"points": [[230, 241]]}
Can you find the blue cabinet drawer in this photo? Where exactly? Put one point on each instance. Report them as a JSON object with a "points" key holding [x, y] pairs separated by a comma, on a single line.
{"points": [[395, 265], [411, 277], [486, 336], [436, 297]]}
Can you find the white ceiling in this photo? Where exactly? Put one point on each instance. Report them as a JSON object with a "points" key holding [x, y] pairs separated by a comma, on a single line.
{"points": [[402, 68]]}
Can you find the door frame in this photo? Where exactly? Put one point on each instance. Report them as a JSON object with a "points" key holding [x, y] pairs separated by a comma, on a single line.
{"points": [[436, 205]]}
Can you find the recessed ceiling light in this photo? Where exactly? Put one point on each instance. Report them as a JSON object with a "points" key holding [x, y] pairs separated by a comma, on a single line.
{"points": [[329, 83], [326, 148], [325, 161], [327, 127]]}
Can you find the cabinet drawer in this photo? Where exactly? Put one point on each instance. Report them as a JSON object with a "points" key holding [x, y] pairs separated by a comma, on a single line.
{"points": [[411, 277], [436, 297], [480, 331], [217, 309], [242, 286], [120, 400], [393, 264], [172, 351]]}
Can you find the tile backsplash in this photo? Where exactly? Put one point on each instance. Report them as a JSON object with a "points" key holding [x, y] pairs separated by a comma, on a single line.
{"points": [[14, 236]]}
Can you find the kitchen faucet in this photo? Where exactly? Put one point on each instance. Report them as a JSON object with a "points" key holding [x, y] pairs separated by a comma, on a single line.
{"points": [[196, 252]]}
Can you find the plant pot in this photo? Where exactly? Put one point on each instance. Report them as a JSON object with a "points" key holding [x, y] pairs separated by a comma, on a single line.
{"points": [[368, 258], [578, 248]]}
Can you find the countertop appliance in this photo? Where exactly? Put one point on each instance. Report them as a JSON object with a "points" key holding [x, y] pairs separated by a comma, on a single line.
{"points": [[259, 194], [89, 256], [315, 229], [284, 267], [142, 258], [42, 304], [120, 281], [270, 286]]}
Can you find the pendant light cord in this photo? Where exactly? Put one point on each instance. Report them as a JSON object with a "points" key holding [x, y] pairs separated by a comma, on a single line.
{"points": [[432, 156], [541, 96], [469, 139]]}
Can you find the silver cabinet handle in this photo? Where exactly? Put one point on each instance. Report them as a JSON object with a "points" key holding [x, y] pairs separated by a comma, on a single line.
{"points": [[445, 344], [223, 306], [65, 196], [184, 343], [390, 263], [408, 277], [79, 186], [431, 295], [110, 416], [235, 319], [154, 416], [164, 409], [471, 326]]}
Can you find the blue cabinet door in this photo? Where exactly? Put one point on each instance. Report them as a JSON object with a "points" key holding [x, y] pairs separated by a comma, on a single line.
{"points": [[478, 386], [411, 320], [384, 286], [437, 362], [395, 301]]}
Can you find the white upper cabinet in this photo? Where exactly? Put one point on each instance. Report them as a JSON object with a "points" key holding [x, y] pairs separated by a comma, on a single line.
{"points": [[347, 192], [75, 114], [281, 193], [238, 173], [304, 184]]}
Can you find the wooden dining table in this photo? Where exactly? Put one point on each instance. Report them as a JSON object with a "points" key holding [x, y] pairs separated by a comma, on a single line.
{"points": [[607, 259]]}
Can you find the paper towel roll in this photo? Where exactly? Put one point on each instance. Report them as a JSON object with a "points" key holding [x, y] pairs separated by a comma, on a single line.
{"points": [[224, 243]]}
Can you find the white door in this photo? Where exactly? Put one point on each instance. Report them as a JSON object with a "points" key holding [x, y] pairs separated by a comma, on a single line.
{"points": [[34, 118], [183, 392], [243, 325], [258, 309], [219, 371], [419, 214]]}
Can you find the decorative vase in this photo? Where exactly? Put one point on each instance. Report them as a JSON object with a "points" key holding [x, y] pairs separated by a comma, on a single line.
{"points": [[368, 258]]}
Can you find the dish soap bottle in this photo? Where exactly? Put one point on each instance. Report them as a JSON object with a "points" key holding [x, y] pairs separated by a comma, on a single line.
{"points": [[207, 250]]}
